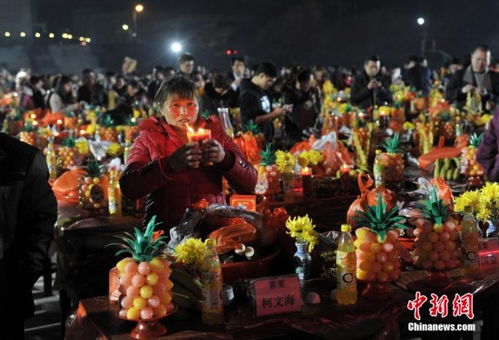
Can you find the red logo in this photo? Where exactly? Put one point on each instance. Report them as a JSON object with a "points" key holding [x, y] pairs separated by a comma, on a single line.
{"points": [[461, 305]]}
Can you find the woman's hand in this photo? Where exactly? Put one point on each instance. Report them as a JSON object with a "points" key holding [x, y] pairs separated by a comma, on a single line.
{"points": [[188, 155], [212, 151]]}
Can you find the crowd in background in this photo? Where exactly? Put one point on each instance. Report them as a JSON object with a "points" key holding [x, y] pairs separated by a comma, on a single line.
{"points": [[261, 93]]}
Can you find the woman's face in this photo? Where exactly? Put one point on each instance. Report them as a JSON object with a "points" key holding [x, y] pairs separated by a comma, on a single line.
{"points": [[180, 112], [68, 87]]}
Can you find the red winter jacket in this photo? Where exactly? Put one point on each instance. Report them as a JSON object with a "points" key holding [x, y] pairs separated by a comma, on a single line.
{"points": [[169, 193]]}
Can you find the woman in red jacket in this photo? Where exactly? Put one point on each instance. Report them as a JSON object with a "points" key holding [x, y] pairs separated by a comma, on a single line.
{"points": [[171, 172]]}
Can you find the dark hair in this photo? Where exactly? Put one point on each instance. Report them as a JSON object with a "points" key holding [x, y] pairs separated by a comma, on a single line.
{"points": [[87, 71], [133, 83], [185, 57], [268, 69], [66, 98], [120, 76], [416, 59], [374, 58], [303, 75], [180, 86], [456, 61], [482, 48], [221, 81], [33, 80], [234, 59]]}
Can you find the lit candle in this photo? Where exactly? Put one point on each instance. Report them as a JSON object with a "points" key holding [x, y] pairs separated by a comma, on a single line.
{"points": [[198, 135], [33, 116], [345, 177], [306, 176], [82, 132], [35, 123]]}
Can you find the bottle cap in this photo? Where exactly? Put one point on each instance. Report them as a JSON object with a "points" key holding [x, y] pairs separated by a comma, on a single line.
{"points": [[346, 227]]}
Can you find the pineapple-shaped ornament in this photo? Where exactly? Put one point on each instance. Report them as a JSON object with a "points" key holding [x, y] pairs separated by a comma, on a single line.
{"points": [[68, 155], [144, 287], [447, 127], [131, 129], [469, 165], [436, 245], [377, 246], [268, 174], [93, 187], [28, 135], [393, 163], [107, 130]]}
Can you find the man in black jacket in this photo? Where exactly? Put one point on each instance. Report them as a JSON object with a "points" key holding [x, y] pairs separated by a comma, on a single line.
{"points": [[91, 91], [369, 88], [419, 76], [27, 216], [476, 78], [254, 102]]}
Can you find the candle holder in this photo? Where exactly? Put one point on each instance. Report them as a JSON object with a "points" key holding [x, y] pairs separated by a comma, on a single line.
{"points": [[307, 183]]}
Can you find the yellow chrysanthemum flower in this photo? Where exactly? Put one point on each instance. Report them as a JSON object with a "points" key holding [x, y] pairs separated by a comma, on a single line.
{"points": [[192, 251], [490, 193], [310, 157], [303, 230], [82, 146], [468, 199], [285, 161], [114, 149], [408, 126]]}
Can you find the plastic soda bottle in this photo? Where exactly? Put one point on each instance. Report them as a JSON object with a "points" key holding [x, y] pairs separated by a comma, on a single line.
{"points": [[346, 284], [469, 235], [114, 194], [212, 308]]}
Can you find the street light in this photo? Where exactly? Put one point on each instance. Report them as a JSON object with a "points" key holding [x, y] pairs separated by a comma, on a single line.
{"points": [[37, 35], [7, 34], [176, 47], [124, 27], [139, 8], [22, 34], [420, 21], [51, 35]]}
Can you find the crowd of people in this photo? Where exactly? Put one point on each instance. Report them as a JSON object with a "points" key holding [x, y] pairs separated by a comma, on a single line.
{"points": [[262, 92]]}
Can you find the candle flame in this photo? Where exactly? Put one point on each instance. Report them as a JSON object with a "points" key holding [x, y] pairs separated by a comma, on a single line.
{"points": [[59, 121], [306, 171]]}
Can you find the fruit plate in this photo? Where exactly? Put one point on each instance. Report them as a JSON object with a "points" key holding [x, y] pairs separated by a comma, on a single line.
{"points": [[149, 329]]}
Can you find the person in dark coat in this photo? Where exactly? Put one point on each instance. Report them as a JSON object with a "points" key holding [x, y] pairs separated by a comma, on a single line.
{"points": [[91, 91], [476, 78], [32, 96], [218, 94], [173, 173], [369, 88], [306, 106], [254, 101], [418, 76], [488, 152], [28, 211], [157, 78]]}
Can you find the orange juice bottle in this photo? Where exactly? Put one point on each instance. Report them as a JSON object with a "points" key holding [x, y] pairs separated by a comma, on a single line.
{"points": [[346, 284]]}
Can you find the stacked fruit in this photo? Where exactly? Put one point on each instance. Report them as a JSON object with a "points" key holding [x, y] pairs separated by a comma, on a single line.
{"points": [[268, 173], [448, 168], [377, 246], [131, 131], [93, 187], [436, 246], [469, 164], [392, 162], [145, 286], [447, 126], [68, 154], [28, 135], [107, 131]]}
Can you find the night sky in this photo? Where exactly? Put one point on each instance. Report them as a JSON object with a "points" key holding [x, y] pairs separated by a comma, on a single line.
{"points": [[284, 31]]}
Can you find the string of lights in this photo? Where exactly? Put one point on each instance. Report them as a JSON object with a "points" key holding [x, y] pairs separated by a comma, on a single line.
{"points": [[67, 36]]}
